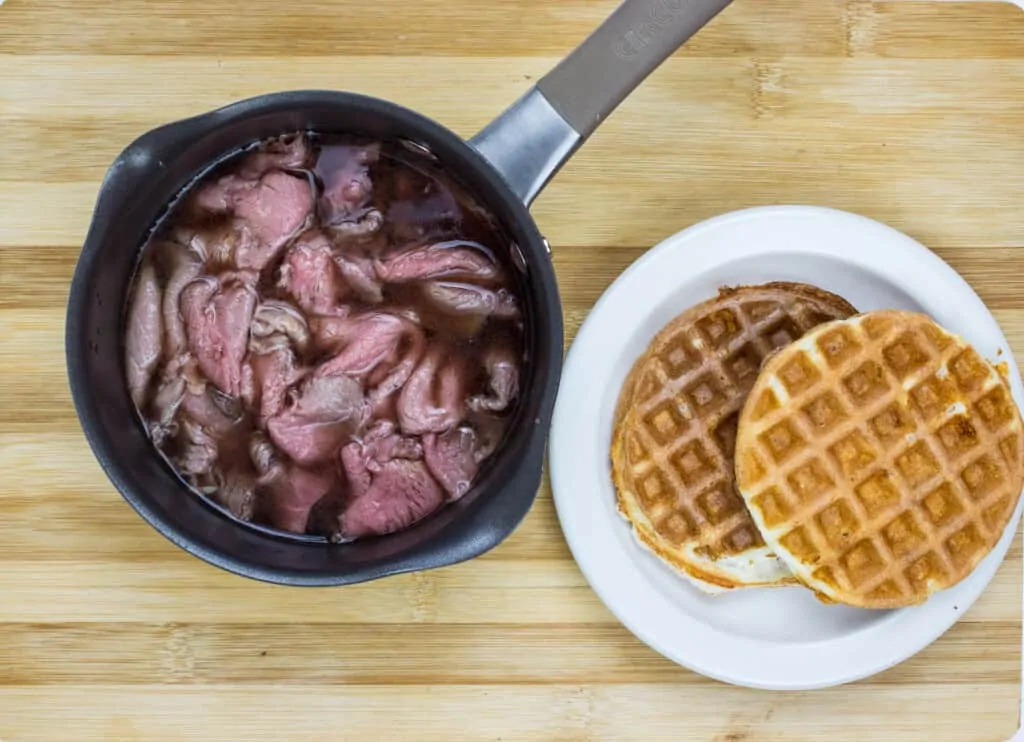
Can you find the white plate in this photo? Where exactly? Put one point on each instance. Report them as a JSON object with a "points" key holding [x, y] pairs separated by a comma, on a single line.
{"points": [[763, 638]]}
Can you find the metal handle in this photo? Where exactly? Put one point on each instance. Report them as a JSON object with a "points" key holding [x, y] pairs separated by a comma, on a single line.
{"points": [[533, 138]]}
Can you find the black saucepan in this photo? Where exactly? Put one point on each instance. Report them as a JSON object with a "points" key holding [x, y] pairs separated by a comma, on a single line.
{"points": [[507, 164]]}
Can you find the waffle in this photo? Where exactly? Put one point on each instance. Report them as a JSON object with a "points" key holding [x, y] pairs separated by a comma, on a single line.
{"points": [[675, 430], [881, 457]]}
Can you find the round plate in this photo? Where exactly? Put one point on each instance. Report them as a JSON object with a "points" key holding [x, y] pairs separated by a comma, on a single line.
{"points": [[777, 638]]}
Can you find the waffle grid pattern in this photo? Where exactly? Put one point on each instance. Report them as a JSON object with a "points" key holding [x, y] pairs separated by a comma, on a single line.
{"points": [[893, 482], [681, 429]]}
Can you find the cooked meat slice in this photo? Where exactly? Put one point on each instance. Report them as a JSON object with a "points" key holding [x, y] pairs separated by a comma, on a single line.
{"points": [[271, 369], [503, 380], [454, 259], [433, 399], [361, 343], [324, 413], [198, 453], [145, 334], [182, 266], [217, 318], [236, 492], [268, 378], [277, 210], [219, 196], [345, 171], [284, 153], [211, 409], [359, 229], [269, 212], [354, 463], [219, 243], [310, 275], [166, 402], [382, 349], [453, 458], [400, 494], [359, 274], [467, 299], [288, 491], [278, 324], [294, 496]]}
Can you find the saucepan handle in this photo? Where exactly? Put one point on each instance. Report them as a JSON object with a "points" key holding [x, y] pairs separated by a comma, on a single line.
{"points": [[534, 137]]}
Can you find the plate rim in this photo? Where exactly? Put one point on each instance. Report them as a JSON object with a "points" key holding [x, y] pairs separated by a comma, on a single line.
{"points": [[928, 624]]}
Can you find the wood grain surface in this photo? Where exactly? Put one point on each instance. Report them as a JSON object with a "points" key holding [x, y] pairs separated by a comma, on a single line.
{"points": [[908, 112]]}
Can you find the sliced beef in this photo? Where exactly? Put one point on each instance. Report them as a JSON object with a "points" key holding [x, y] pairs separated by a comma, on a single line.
{"points": [[217, 318], [284, 153], [277, 324], [181, 266], [219, 196], [295, 495], [321, 416], [219, 242], [383, 392], [400, 494], [277, 210], [166, 403], [454, 458], [345, 204], [272, 369], [378, 348], [236, 492], [198, 453], [462, 299], [269, 212], [211, 409], [361, 343], [310, 275], [380, 444], [205, 422], [268, 377], [433, 400], [288, 492], [145, 333], [354, 463], [454, 259], [503, 380], [359, 229], [360, 276]]}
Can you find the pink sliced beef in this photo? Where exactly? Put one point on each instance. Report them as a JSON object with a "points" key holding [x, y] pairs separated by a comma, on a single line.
{"points": [[310, 275], [217, 319], [319, 419], [453, 458], [268, 213], [289, 491], [360, 276], [503, 381], [347, 187], [144, 339], [454, 259], [400, 494], [277, 324], [464, 299], [284, 153], [433, 400]]}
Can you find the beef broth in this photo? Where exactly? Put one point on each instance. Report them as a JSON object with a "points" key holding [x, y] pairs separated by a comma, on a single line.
{"points": [[325, 337]]}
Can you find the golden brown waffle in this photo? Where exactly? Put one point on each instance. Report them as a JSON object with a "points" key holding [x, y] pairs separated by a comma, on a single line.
{"points": [[881, 457], [675, 428]]}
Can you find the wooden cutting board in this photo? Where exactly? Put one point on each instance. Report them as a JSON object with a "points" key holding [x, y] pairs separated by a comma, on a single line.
{"points": [[908, 112]]}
